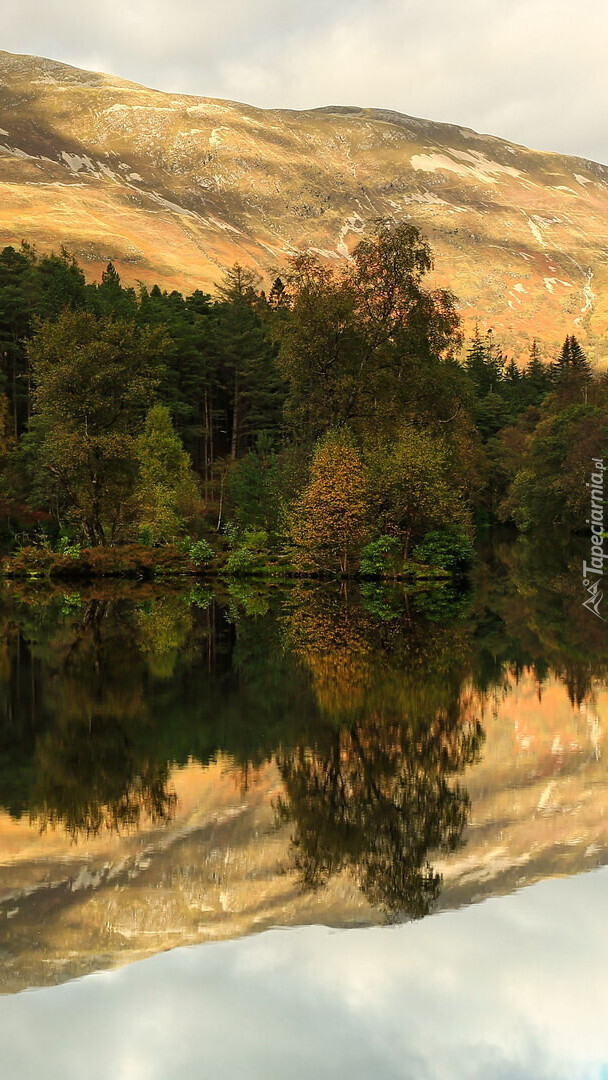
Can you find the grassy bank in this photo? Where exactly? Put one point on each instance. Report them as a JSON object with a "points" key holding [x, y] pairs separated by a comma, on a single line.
{"points": [[146, 563]]}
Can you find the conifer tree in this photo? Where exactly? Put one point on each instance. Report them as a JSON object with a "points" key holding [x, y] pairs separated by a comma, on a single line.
{"points": [[572, 372], [253, 393], [277, 297], [536, 377], [484, 363]]}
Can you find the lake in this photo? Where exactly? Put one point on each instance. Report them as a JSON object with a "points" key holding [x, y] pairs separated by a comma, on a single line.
{"points": [[305, 829]]}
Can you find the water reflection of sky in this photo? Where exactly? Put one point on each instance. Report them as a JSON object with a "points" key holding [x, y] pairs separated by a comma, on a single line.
{"points": [[515, 988]]}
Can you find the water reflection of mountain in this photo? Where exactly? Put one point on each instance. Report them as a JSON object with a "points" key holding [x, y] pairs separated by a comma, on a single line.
{"points": [[348, 736]]}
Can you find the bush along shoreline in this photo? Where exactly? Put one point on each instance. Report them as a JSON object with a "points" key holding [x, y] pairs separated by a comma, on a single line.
{"points": [[68, 561]]}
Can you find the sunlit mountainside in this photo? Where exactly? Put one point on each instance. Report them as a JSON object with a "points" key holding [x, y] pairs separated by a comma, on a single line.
{"points": [[175, 189]]}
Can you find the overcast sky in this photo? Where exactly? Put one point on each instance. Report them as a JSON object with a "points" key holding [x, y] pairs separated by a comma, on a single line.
{"points": [[533, 71]]}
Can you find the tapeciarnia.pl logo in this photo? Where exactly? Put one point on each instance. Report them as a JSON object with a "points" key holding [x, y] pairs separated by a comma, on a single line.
{"points": [[593, 572]]}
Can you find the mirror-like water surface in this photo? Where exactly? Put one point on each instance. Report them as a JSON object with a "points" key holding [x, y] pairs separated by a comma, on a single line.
{"points": [[186, 766]]}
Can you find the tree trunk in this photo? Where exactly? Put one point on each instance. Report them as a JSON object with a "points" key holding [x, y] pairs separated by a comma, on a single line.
{"points": [[206, 446], [235, 419], [219, 516], [407, 545]]}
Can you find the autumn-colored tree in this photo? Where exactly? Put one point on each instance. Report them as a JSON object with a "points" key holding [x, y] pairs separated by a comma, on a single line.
{"points": [[330, 518], [166, 492]]}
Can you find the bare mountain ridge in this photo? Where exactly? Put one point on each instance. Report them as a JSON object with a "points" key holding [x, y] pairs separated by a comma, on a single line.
{"points": [[175, 188]]}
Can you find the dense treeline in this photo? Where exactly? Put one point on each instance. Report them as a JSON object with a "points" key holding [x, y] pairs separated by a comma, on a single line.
{"points": [[336, 422]]}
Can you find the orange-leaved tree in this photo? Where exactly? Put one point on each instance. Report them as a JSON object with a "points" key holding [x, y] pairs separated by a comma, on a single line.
{"points": [[330, 519]]}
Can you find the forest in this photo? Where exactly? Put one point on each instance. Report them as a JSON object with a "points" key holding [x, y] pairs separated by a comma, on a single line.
{"points": [[336, 423]]}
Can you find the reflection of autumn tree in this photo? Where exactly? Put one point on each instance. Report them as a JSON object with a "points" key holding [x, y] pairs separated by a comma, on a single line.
{"points": [[373, 789], [329, 636]]}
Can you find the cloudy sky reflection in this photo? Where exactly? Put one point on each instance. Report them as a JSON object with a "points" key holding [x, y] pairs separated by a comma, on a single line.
{"points": [[513, 989]]}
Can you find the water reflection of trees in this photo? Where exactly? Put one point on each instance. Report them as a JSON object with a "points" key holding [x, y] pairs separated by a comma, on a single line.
{"points": [[365, 701], [378, 800], [93, 769], [373, 791], [530, 615], [78, 714]]}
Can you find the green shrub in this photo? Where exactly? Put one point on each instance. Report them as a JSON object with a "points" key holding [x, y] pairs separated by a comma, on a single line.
{"points": [[241, 561], [380, 557], [201, 553], [250, 551], [145, 537], [65, 546], [448, 550]]}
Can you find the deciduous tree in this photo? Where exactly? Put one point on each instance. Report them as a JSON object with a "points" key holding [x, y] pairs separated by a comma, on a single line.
{"points": [[94, 381], [330, 518], [166, 492]]}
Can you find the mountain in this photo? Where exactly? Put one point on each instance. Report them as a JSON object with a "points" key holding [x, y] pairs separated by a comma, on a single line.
{"points": [[224, 867], [175, 188]]}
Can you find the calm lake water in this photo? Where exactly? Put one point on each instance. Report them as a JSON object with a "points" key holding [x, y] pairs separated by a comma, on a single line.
{"points": [[377, 817]]}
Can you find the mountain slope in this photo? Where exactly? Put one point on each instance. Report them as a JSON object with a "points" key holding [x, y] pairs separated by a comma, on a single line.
{"points": [[175, 188]]}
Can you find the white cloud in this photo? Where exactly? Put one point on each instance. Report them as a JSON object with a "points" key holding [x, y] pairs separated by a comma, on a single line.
{"points": [[530, 70]]}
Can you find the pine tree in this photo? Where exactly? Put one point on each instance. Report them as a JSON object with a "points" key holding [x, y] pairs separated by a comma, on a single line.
{"points": [[484, 363], [277, 297], [536, 377], [572, 372], [110, 298], [253, 388]]}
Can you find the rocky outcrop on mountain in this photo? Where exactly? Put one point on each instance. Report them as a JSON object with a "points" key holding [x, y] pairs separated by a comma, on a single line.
{"points": [[175, 189]]}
